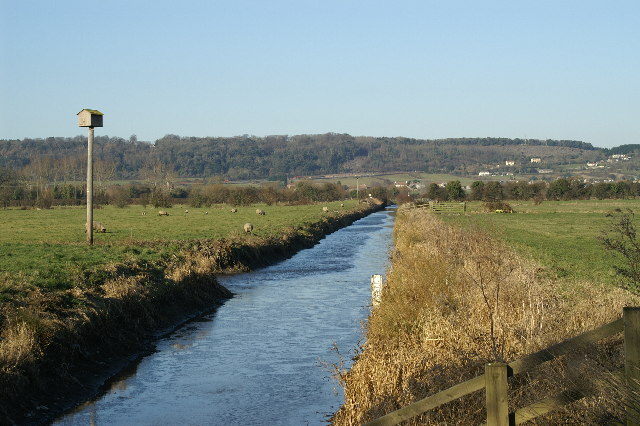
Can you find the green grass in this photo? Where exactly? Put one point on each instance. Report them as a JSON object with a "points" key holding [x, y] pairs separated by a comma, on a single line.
{"points": [[562, 235], [47, 248]]}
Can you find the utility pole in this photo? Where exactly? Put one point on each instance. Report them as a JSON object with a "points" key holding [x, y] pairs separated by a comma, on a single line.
{"points": [[90, 118]]}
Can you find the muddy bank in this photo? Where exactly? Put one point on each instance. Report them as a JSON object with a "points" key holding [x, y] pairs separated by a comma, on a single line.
{"points": [[65, 345]]}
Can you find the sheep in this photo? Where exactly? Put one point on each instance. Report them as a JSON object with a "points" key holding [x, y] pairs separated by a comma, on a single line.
{"points": [[186, 211], [248, 228], [144, 213], [325, 209], [97, 226], [341, 204], [234, 210], [163, 213], [206, 212], [260, 212]]}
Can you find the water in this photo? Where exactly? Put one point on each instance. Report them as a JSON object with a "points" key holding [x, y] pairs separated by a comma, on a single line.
{"points": [[260, 358]]}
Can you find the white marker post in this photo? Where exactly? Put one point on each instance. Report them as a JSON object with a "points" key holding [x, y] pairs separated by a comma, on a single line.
{"points": [[376, 289]]}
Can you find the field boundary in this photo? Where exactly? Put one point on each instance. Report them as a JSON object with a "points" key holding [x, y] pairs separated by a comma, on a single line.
{"points": [[495, 379], [443, 206]]}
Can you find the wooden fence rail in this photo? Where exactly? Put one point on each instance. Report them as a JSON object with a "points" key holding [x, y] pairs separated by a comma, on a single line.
{"points": [[441, 206], [447, 207], [495, 379]]}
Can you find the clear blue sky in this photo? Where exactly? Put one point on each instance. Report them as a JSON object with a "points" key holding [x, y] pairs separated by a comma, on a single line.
{"points": [[425, 69]]}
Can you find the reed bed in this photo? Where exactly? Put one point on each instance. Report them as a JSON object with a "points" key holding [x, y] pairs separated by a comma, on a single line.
{"points": [[456, 299]]}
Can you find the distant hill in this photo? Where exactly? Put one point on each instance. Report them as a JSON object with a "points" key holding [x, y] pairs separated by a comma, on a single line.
{"points": [[250, 157]]}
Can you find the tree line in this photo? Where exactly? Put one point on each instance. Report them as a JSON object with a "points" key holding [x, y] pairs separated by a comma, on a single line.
{"points": [[559, 189], [58, 159], [15, 192]]}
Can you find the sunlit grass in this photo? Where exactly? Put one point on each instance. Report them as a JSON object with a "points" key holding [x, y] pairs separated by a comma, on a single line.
{"points": [[562, 235], [47, 248]]}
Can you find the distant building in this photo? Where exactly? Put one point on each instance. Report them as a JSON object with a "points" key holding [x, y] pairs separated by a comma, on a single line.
{"points": [[536, 160], [484, 174], [619, 157], [510, 163]]}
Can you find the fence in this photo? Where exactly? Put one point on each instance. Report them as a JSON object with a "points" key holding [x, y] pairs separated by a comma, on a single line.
{"points": [[447, 207], [495, 379]]}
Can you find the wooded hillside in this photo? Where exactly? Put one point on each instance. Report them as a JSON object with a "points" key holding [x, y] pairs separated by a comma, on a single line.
{"points": [[250, 157]]}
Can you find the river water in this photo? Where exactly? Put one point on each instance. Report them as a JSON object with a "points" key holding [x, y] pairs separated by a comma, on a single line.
{"points": [[261, 358]]}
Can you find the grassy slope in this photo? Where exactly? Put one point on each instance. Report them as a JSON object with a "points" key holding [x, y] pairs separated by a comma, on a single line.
{"points": [[46, 248]]}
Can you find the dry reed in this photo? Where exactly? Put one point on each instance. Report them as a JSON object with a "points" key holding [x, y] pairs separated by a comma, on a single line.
{"points": [[455, 300]]}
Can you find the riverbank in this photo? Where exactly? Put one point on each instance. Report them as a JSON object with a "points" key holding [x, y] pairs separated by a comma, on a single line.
{"points": [[456, 299], [70, 341]]}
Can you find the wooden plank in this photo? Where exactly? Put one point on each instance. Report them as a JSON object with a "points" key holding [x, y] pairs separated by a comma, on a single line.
{"points": [[495, 375], [519, 366], [430, 402], [547, 405], [530, 361], [631, 318]]}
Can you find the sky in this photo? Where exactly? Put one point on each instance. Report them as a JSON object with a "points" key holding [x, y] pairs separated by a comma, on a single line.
{"points": [[424, 69]]}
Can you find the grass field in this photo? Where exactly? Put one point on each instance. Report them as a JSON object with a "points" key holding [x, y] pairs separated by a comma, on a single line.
{"points": [[384, 179], [562, 235], [47, 248]]}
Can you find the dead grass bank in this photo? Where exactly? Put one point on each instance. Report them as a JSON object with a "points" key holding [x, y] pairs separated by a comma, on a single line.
{"points": [[57, 346], [455, 300]]}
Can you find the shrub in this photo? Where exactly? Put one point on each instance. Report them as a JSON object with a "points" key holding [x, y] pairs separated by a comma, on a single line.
{"points": [[621, 238], [493, 206]]}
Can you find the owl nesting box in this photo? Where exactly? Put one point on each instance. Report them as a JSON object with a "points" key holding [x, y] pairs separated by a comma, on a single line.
{"points": [[90, 118]]}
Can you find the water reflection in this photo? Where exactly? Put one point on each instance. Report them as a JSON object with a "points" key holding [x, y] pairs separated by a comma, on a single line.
{"points": [[260, 358]]}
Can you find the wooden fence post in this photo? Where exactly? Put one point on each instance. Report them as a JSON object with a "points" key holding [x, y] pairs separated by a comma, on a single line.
{"points": [[495, 375], [631, 317]]}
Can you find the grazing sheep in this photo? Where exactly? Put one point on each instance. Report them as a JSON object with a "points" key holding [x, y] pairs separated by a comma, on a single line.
{"points": [[144, 213], [234, 210], [206, 212], [260, 212], [186, 211], [163, 213], [248, 228], [325, 209], [341, 204], [97, 226]]}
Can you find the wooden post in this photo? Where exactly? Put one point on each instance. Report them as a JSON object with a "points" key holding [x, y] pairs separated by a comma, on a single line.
{"points": [[495, 375], [89, 225], [631, 317]]}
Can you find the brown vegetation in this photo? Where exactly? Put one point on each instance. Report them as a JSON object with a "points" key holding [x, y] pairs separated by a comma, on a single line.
{"points": [[455, 300], [65, 340]]}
